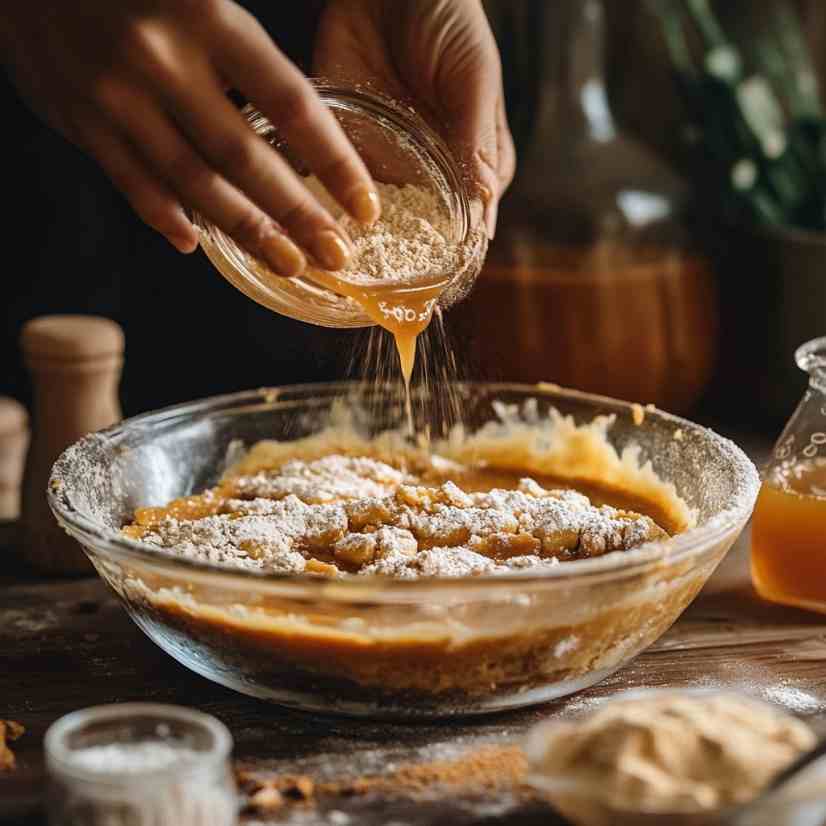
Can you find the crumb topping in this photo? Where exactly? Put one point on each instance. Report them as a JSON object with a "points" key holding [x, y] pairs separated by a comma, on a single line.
{"points": [[354, 515]]}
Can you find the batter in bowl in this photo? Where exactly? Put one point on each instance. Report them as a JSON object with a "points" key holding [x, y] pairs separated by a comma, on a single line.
{"points": [[511, 499]]}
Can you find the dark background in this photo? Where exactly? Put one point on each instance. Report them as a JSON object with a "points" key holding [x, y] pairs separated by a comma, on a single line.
{"points": [[73, 245]]}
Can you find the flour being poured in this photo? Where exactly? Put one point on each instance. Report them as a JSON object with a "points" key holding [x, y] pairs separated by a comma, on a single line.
{"points": [[411, 241]]}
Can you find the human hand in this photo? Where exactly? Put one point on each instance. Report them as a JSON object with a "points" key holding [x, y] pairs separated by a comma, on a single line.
{"points": [[441, 56], [140, 85]]}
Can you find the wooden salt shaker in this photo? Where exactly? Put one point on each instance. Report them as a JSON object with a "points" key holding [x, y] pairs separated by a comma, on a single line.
{"points": [[75, 364], [14, 439]]}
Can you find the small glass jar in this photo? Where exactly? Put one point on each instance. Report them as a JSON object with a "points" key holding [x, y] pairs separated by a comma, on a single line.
{"points": [[398, 147], [790, 516], [140, 763]]}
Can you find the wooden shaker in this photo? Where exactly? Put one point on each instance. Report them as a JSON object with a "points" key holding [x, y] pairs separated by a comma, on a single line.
{"points": [[75, 364], [14, 439]]}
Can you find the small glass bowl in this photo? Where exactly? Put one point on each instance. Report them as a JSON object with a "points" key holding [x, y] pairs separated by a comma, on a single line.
{"points": [[801, 802], [398, 147], [392, 648], [196, 790]]}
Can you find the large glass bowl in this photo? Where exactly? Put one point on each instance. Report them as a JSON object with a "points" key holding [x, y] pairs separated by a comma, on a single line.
{"points": [[380, 647]]}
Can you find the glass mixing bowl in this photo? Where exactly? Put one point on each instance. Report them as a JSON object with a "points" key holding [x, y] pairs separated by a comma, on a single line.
{"points": [[383, 647]]}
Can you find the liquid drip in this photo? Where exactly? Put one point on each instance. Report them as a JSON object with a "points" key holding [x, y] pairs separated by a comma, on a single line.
{"points": [[404, 311], [434, 395]]}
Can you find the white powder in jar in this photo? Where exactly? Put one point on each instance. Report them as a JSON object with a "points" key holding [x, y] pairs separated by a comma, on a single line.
{"points": [[113, 790], [132, 758]]}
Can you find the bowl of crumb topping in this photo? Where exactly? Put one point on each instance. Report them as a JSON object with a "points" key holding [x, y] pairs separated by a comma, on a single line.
{"points": [[679, 757], [296, 545]]}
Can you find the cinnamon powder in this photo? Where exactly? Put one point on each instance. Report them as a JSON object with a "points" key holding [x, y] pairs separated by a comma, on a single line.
{"points": [[485, 770]]}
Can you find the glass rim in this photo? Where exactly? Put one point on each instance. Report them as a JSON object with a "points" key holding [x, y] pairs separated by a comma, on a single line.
{"points": [[811, 356], [105, 543], [59, 754]]}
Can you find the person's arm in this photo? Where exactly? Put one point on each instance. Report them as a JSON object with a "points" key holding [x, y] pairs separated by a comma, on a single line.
{"points": [[140, 85], [441, 56]]}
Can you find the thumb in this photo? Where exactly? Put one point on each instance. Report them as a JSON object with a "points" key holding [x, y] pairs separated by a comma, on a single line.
{"points": [[472, 136]]}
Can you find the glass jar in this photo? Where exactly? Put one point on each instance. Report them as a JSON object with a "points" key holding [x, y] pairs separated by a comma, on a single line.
{"points": [[790, 516], [398, 147], [136, 763], [593, 279]]}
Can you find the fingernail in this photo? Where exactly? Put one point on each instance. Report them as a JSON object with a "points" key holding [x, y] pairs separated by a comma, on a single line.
{"points": [[182, 244], [332, 251], [364, 204], [491, 214], [486, 193], [283, 256]]}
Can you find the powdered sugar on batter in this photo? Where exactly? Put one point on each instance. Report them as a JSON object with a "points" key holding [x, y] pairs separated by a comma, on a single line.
{"points": [[345, 515]]}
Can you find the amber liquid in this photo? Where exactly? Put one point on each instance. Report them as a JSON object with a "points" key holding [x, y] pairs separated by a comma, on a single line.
{"points": [[404, 311], [631, 323], [788, 545]]}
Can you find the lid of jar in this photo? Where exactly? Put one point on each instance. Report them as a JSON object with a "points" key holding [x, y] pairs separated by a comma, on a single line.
{"points": [[13, 416], [71, 338]]}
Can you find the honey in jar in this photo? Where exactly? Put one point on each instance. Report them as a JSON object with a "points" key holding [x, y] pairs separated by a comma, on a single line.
{"points": [[788, 550]]}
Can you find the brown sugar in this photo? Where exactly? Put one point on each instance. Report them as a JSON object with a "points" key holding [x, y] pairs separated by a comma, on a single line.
{"points": [[487, 769], [9, 732]]}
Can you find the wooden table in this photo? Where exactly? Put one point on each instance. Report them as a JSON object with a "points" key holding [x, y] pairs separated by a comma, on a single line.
{"points": [[67, 645]]}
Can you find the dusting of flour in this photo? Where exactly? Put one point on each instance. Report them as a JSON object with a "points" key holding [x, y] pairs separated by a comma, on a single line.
{"points": [[359, 515], [411, 241]]}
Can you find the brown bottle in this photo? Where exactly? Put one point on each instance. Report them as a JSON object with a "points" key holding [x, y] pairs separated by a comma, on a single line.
{"points": [[14, 439], [595, 279], [75, 364]]}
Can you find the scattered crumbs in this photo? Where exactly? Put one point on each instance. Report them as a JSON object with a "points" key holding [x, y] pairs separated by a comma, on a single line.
{"points": [[678, 435], [10, 731], [266, 799], [265, 792], [487, 769], [32, 621], [637, 414]]}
